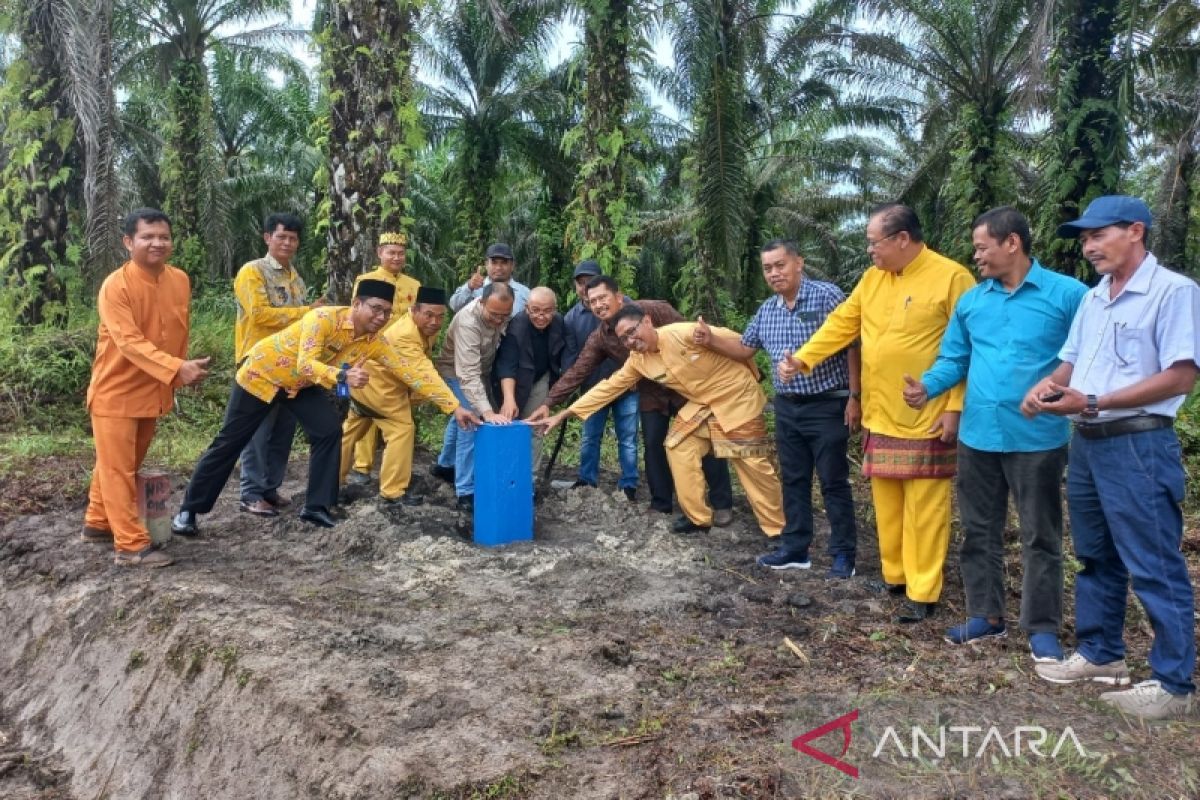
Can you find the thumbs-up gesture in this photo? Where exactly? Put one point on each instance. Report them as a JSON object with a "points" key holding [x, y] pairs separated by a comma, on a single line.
{"points": [[915, 393], [787, 368], [702, 334], [357, 376], [476, 279]]}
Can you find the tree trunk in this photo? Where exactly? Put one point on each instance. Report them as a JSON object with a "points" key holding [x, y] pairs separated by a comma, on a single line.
{"points": [[186, 168], [1176, 206], [374, 130], [41, 171]]}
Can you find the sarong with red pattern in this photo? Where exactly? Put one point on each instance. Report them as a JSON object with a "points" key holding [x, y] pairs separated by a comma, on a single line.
{"points": [[889, 457]]}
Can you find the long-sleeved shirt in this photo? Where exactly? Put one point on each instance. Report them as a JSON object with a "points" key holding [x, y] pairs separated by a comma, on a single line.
{"points": [[900, 318], [1002, 343], [270, 297], [604, 344], [310, 352], [141, 342], [705, 378], [468, 352], [463, 295], [406, 291], [390, 392]]}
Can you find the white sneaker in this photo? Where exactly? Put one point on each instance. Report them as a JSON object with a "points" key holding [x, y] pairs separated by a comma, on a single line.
{"points": [[1078, 668], [1149, 700]]}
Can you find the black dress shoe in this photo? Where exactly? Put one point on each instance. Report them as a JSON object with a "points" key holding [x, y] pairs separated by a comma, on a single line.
{"points": [[406, 499], [631, 494], [894, 588], [184, 524], [318, 516], [466, 502], [685, 525], [915, 612], [443, 473]]}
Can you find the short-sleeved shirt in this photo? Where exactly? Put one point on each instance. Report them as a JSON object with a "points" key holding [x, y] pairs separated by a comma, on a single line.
{"points": [[1002, 343], [1150, 325], [781, 331]]}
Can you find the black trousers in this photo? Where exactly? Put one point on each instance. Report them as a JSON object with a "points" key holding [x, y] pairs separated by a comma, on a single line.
{"points": [[985, 480], [813, 436], [312, 407], [658, 471]]}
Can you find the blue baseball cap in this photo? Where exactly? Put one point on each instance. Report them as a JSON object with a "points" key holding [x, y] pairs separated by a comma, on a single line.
{"points": [[1107, 210]]}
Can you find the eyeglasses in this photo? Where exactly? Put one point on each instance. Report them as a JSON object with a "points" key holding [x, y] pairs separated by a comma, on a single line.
{"points": [[378, 310], [871, 245], [492, 316], [631, 334]]}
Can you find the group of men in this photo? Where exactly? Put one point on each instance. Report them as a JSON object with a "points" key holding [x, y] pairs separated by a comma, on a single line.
{"points": [[949, 379]]}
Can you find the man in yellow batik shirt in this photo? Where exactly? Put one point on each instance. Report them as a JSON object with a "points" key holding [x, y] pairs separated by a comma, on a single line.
{"points": [[392, 255], [386, 401], [270, 296], [298, 367], [899, 310], [723, 415]]}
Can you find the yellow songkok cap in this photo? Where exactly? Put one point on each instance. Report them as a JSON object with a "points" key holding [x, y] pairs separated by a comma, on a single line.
{"points": [[392, 238]]}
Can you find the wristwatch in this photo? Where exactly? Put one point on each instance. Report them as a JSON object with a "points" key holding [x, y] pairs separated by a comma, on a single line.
{"points": [[855, 395], [1092, 409], [342, 375]]}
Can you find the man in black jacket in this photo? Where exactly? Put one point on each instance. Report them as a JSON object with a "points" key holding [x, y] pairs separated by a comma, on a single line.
{"points": [[531, 358]]}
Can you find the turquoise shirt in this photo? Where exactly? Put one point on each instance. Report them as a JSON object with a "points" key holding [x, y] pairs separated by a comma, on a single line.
{"points": [[1003, 343]]}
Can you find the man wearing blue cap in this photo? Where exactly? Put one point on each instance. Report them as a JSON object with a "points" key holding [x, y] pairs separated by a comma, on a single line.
{"points": [[1129, 362], [499, 265]]}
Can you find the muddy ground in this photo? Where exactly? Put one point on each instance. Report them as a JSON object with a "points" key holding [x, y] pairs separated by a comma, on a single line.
{"points": [[609, 658]]}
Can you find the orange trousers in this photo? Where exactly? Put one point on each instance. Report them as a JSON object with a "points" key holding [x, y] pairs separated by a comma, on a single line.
{"points": [[121, 445]]}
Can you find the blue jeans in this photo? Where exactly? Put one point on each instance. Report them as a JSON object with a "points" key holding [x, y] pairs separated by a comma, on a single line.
{"points": [[264, 458], [1124, 495], [458, 447], [625, 425]]}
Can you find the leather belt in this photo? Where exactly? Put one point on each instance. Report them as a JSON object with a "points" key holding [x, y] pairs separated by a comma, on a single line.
{"points": [[833, 394], [1124, 425]]}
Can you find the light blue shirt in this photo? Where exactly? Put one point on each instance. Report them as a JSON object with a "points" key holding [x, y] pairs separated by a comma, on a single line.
{"points": [[1149, 326], [1003, 343], [463, 295]]}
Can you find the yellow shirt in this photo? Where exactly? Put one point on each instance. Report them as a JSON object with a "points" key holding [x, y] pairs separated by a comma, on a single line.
{"points": [[141, 343], [389, 392], [406, 291], [706, 379], [900, 318], [310, 352], [270, 297]]}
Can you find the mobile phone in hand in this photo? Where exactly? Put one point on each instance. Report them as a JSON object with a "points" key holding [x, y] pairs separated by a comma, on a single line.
{"points": [[1052, 397]]}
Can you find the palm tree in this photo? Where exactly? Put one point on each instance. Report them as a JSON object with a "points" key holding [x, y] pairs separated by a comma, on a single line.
{"points": [[171, 40], [374, 128]]}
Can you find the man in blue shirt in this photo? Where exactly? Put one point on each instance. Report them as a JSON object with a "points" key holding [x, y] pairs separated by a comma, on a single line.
{"points": [[1128, 363], [1003, 336], [814, 414]]}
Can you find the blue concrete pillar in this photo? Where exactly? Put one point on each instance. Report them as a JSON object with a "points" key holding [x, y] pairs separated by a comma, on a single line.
{"points": [[503, 484]]}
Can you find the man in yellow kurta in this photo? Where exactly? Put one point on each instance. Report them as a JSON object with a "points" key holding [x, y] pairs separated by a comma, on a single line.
{"points": [[386, 401], [298, 367], [141, 358], [723, 415], [270, 296], [899, 311], [392, 255]]}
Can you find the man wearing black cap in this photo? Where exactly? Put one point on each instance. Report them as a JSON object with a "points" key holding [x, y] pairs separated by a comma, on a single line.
{"points": [[298, 367], [580, 322], [387, 398], [500, 265], [1129, 362]]}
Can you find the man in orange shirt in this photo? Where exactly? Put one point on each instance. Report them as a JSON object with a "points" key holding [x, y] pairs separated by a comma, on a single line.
{"points": [[140, 361]]}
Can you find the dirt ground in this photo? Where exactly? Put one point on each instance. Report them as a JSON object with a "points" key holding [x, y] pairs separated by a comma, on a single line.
{"points": [[609, 658]]}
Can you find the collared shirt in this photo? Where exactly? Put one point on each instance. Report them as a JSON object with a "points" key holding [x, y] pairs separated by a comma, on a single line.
{"points": [[1149, 326], [604, 344], [310, 352], [389, 393], [463, 295], [270, 297], [580, 322], [141, 342], [1002, 343], [468, 352], [900, 318], [782, 331], [406, 291]]}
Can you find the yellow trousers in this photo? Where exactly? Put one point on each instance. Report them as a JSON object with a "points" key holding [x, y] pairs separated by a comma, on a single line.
{"points": [[913, 519], [757, 475], [364, 451], [121, 445], [399, 438]]}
